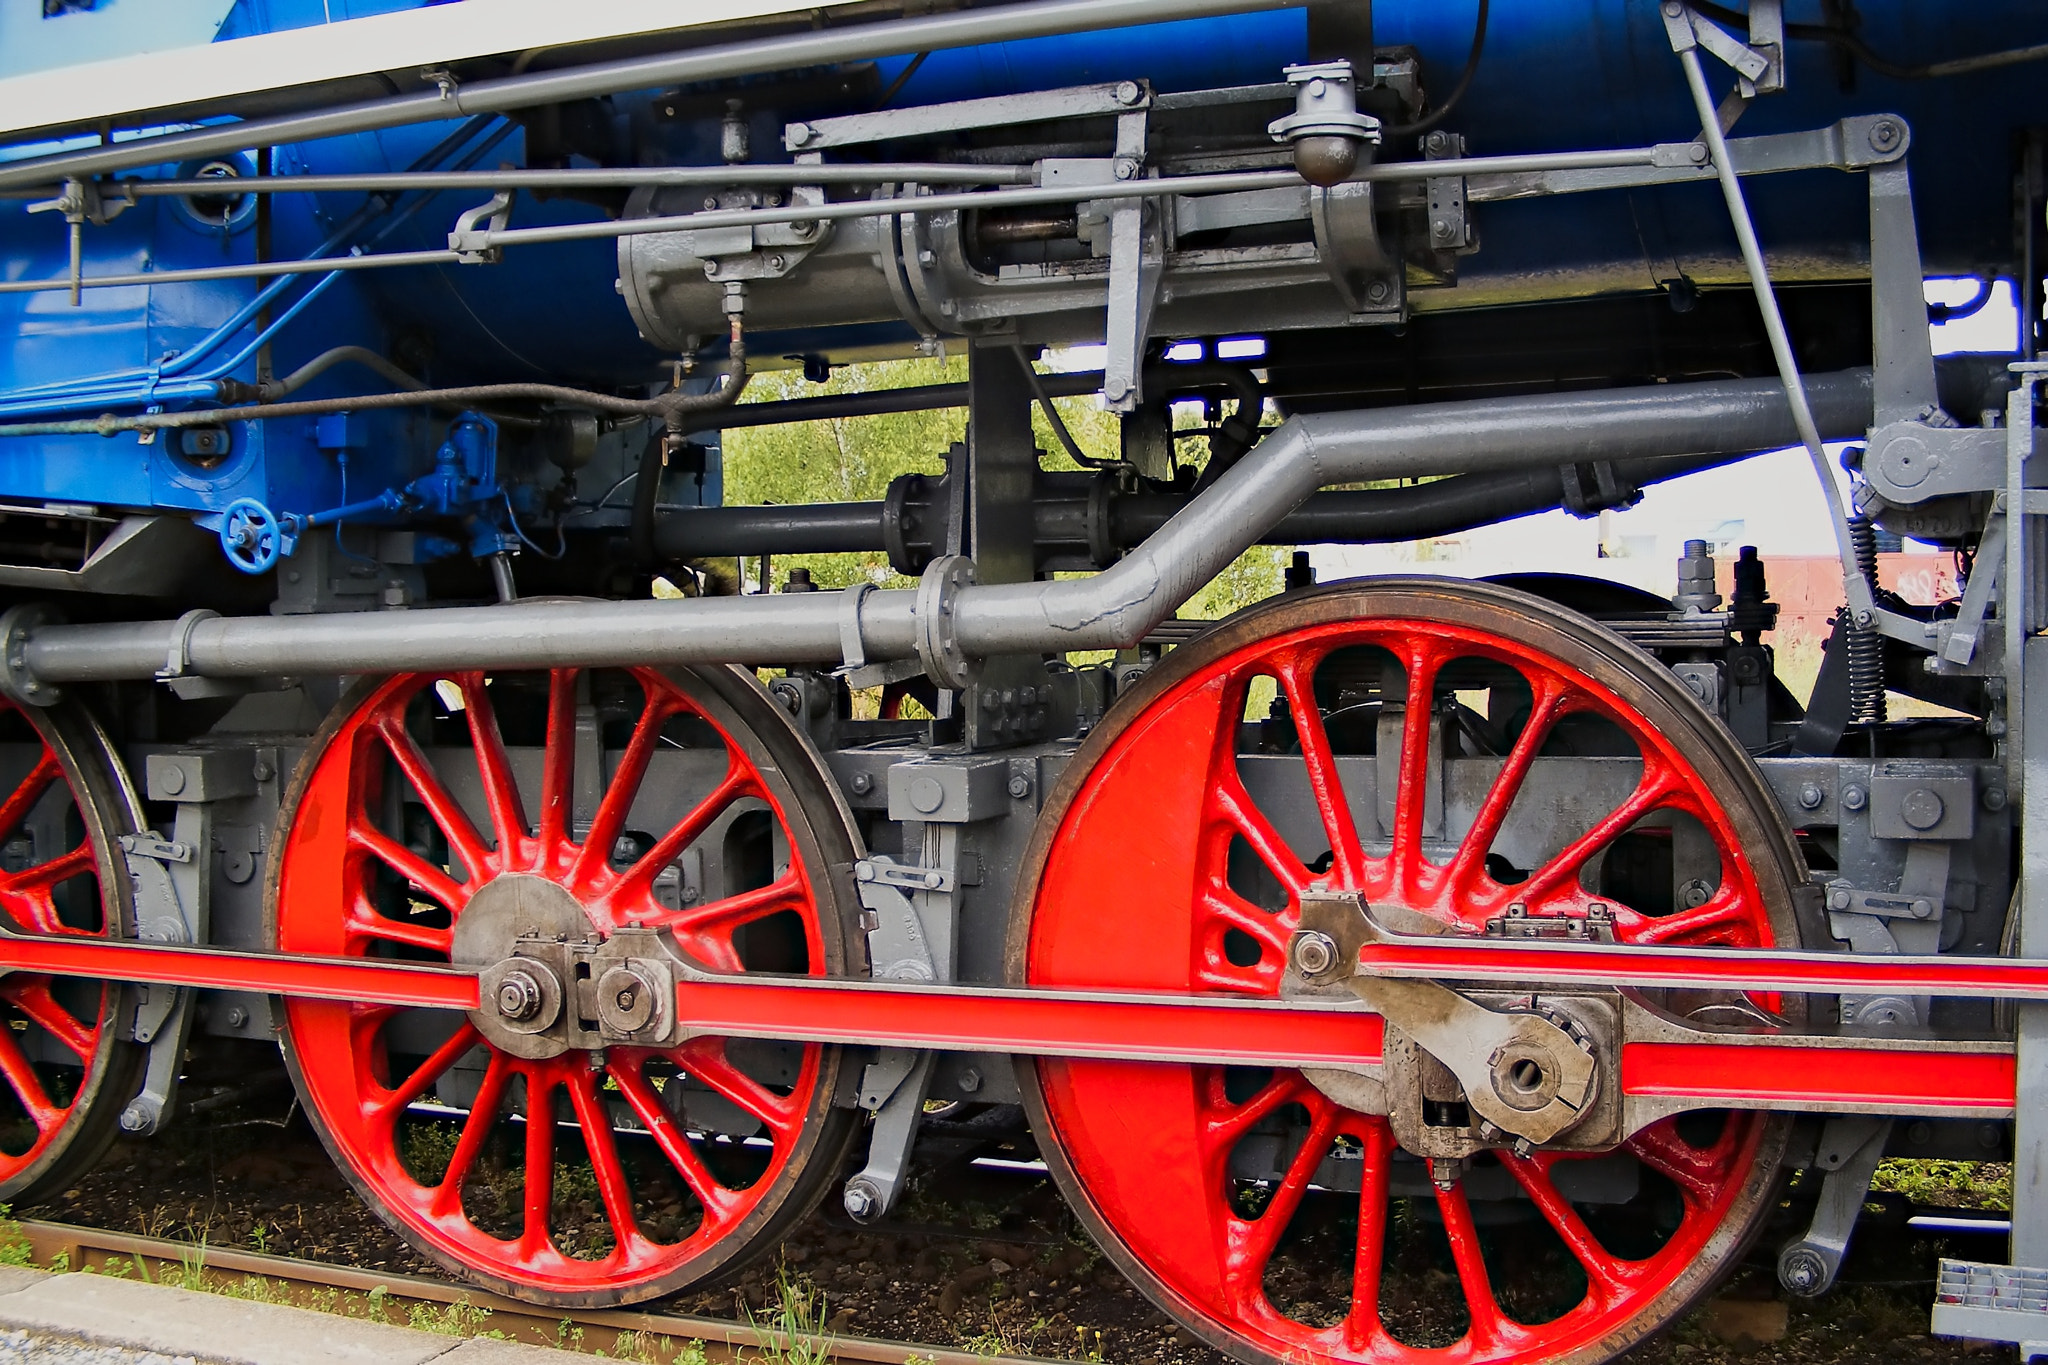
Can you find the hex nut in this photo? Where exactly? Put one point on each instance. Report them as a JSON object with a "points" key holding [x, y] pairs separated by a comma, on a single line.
{"points": [[1854, 798]]}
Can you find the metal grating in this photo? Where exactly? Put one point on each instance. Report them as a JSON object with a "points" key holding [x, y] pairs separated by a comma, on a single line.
{"points": [[1991, 1302]]}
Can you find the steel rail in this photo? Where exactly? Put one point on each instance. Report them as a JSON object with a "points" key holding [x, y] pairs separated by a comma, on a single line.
{"points": [[85, 1248], [980, 26]]}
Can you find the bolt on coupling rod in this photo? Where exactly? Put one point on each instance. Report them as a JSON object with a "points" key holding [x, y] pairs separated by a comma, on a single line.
{"points": [[948, 621]]}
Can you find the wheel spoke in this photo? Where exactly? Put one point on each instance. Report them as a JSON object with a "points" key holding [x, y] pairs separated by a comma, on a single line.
{"points": [[540, 1160], [704, 1061], [719, 918], [1697, 1173], [668, 1135], [463, 840], [558, 764], [27, 1086], [1362, 1324], [23, 798], [1655, 788], [1425, 659], [593, 860], [365, 922], [476, 1130], [1232, 804], [1489, 1324], [639, 879], [1252, 1242], [603, 1148], [1608, 1276], [31, 886], [1727, 912], [387, 1106], [31, 995], [1548, 707], [494, 768], [1297, 680], [431, 880]]}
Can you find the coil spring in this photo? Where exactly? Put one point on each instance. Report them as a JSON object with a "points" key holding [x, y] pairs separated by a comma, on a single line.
{"points": [[1865, 645]]}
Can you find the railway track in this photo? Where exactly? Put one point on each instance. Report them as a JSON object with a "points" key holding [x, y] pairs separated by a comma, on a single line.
{"points": [[615, 1333]]}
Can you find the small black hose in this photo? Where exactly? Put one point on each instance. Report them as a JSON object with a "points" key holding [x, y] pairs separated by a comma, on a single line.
{"points": [[1443, 111]]}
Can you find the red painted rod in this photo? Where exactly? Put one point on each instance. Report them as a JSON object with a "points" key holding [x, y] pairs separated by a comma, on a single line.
{"points": [[1749, 969], [321, 978], [1045, 1023], [1749, 1071]]}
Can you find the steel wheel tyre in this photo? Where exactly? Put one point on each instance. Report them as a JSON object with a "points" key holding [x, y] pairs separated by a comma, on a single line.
{"points": [[1157, 867], [66, 1071], [424, 789]]}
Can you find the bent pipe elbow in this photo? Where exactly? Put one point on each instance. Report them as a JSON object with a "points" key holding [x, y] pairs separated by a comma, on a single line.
{"points": [[1116, 608]]}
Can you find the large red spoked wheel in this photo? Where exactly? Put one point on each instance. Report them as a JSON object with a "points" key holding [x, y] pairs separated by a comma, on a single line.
{"points": [[1297, 742], [66, 1068], [583, 801]]}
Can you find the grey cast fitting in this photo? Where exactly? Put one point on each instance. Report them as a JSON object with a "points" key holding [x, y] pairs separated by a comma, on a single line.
{"points": [[1112, 609]]}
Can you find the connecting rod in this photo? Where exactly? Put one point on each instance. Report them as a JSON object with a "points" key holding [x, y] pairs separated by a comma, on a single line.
{"points": [[949, 615]]}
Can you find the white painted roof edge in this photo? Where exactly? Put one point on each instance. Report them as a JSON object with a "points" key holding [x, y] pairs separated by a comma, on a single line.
{"points": [[80, 95]]}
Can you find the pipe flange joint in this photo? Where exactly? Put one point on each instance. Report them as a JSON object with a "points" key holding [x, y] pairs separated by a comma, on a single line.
{"points": [[938, 625], [16, 625]]}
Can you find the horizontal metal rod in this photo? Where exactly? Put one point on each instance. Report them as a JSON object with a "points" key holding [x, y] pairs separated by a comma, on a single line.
{"points": [[483, 239], [321, 265], [788, 52], [1230, 182], [920, 398], [1112, 609], [1061, 512], [571, 178]]}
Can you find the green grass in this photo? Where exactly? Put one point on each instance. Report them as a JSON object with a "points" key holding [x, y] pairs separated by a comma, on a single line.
{"points": [[1948, 1184]]}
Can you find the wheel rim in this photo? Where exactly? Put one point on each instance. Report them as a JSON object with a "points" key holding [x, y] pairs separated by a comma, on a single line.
{"points": [[570, 1211], [65, 1073], [1145, 1152]]}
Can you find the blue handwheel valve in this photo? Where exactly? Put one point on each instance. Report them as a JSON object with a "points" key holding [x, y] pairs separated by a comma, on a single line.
{"points": [[253, 537]]}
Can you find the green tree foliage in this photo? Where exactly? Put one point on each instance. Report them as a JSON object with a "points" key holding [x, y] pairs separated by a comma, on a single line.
{"points": [[854, 460]]}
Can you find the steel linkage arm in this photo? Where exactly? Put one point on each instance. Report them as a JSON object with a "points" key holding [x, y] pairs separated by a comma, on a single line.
{"points": [[1663, 1065]]}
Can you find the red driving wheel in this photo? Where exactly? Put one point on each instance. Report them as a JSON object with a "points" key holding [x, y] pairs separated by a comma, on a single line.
{"points": [[680, 799], [1170, 858], [66, 1070]]}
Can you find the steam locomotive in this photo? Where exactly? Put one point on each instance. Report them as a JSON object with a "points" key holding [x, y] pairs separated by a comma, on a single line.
{"points": [[363, 369]]}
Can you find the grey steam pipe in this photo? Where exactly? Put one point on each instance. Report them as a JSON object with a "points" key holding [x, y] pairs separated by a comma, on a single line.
{"points": [[1112, 609], [821, 47]]}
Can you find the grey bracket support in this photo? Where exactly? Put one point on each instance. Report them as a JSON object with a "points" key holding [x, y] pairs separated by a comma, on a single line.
{"points": [[172, 880], [1137, 256], [1851, 1145], [912, 918]]}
